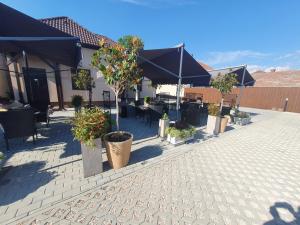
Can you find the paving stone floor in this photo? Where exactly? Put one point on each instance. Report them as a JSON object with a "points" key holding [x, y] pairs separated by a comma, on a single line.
{"points": [[249, 175]]}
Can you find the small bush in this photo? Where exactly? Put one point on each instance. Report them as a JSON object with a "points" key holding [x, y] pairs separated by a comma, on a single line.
{"points": [[181, 130], [213, 110], [165, 116], [90, 124], [77, 100], [147, 99]]}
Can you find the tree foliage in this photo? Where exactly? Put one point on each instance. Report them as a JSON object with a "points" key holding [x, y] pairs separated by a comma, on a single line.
{"points": [[224, 83], [119, 64]]}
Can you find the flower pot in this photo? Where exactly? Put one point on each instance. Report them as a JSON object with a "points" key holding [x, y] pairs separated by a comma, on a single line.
{"points": [[177, 140], [224, 121], [163, 125], [213, 125], [77, 109], [92, 158], [118, 151]]}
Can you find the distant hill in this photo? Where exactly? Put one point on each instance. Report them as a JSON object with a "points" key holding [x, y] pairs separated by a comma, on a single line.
{"points": [[289, 78]]}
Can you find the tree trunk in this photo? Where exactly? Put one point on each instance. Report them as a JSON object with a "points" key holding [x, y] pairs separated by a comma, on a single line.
{"points": [[117, 108], [90, 98], [221, 106]]}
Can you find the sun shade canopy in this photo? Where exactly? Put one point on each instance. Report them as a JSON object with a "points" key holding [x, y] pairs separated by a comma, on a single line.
{"points": [[239, 71], [161, 66], [20, 32]]}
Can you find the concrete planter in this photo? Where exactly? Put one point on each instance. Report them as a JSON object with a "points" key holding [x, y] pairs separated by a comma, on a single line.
{"points": [[213, 125], [92, 159], [163, 125], [118, 153], [177, 140], [242, 121]]}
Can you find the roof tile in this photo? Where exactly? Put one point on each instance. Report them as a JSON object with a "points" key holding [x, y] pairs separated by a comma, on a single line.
{"points": [[69, 26]]}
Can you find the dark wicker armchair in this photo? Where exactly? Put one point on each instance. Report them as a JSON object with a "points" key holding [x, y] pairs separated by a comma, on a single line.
{"points": [[18, 123]]}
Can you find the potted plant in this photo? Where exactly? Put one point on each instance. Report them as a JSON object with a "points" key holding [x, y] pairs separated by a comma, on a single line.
{"points": [[147, 101], [163, 125], [213, 119], [1, 160], [85, 81], [241, 118], [77, 102], [180, 133], [89, 126], [119, 66], [224, 84]]}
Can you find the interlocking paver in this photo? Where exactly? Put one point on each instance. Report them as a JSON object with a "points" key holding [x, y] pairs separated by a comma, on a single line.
{"points": [[242, 177]]}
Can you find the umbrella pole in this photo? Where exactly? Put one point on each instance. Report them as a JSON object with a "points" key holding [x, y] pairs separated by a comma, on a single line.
{"points": [[241, 88], [179, 83]]}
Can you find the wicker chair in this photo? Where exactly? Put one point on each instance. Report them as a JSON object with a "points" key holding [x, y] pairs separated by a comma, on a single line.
{"points": [[18, 123]]}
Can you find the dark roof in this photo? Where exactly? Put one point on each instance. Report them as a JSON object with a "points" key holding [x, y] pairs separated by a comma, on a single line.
{"points": [[156, 62], [21, 32], [69, 26], [239, 70]]}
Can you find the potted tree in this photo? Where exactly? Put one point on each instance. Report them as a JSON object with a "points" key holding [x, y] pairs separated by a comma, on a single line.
{"points": [[119, 66], [163, 125], [89, 126], [224, 84], [85, 81], [146, 101], [213, 119], [180, 133], [77, 102]]}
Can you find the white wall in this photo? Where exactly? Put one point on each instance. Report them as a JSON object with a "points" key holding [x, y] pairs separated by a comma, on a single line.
{"points": [[4, 89], [68, 92], [170, 89]]}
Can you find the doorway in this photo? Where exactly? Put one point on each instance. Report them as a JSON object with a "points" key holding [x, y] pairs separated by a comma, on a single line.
{"points": [[37, 88]]}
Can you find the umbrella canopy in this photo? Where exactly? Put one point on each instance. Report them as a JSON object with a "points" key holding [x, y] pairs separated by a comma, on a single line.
{"points": [[161, 66], [20, 32], [239, 71]]}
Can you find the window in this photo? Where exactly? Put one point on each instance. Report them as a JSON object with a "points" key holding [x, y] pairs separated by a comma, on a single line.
{"points": [[74, 74]]}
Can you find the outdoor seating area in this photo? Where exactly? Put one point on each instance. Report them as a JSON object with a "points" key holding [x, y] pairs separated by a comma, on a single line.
{"points": [[131, 130]]}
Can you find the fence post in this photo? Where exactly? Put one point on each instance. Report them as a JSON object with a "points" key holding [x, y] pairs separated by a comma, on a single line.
{"points": [[285, 104]]}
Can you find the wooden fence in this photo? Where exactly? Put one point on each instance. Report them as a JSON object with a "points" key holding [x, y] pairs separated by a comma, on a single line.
{"points": [[255, 97]]}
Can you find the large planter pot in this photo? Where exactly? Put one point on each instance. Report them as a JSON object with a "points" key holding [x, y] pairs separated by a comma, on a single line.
{"points": [[118, 151], [242, 121], [92, 159], [177, 140], [163, 125], [213, 125], [224, 122]]}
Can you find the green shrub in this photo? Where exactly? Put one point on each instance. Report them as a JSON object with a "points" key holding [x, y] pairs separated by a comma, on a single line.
{"points": [[165, 116], [77, 100], [213, 110], [147, 99], [1, 156], [181, 130], [90, 124]]}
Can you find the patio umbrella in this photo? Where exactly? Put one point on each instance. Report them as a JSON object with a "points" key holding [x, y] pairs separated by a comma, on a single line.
{"points": [[19, 32], [173, 66], [244, 78]]}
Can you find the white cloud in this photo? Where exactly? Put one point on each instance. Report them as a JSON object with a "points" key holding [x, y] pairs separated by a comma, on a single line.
{"points": [[290, 55], [254, 68], [229, 57]]}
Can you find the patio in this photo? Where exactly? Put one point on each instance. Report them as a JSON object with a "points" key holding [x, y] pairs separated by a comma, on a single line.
{"points": [[233, 179]]}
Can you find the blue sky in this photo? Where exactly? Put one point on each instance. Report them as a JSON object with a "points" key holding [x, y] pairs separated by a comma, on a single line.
{"points": [[260, 33]]}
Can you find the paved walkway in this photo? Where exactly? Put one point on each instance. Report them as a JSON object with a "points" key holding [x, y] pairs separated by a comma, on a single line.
{"points": [[246, 176]]}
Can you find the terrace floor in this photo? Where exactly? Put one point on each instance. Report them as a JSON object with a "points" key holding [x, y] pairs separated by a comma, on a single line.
{"points": [[248, 175]]}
